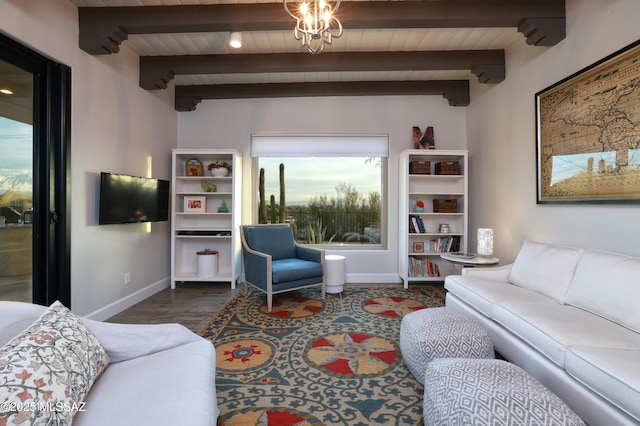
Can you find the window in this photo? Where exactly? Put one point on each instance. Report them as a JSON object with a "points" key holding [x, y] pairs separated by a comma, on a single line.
{"points": [[333, 187]]}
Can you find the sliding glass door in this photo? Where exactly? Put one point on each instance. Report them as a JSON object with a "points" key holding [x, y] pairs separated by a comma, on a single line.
{"points": [[34, 176], [16, 183]]}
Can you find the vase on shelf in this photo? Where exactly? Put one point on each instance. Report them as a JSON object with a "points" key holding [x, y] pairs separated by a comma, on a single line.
{"points": [[219, 172]]}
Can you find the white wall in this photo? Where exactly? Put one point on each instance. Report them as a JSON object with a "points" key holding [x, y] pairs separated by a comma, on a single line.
{"points": [[501, 137], [116, 127], [229, 124]]}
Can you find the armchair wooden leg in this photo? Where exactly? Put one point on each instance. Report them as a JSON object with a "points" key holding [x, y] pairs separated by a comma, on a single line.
{"points": [[269, 302]]}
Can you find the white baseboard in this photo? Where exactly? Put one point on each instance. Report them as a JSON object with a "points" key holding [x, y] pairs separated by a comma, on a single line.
{"points": [[128, 301]]}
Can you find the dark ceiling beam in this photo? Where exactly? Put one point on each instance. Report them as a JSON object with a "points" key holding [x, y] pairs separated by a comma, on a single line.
{"points": [[543, 32], [157, 71], [455, 91], [103, 29]]}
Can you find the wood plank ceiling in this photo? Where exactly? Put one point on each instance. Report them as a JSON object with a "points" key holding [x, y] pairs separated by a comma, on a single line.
{"points": [[415, 47]]}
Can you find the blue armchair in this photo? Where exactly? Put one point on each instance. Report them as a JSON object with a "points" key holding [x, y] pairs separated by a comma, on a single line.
{"points": [[275, 263]]}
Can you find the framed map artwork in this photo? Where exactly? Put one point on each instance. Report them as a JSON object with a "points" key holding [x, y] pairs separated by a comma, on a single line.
{"points": [[588, 133]]}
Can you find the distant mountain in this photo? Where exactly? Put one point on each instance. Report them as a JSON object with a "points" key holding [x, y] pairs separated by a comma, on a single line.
{"points": [[15, 184]]}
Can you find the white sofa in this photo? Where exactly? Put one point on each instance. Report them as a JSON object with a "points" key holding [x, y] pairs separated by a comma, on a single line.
{"points": [[157, 374], [568, 316]]}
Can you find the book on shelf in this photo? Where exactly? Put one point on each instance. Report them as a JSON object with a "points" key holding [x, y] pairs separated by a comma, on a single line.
{"points": [[416, 225], [445, 244], [421, 267], [461, 255]]}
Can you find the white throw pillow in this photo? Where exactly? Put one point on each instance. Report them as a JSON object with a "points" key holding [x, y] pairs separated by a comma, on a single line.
{"points": [[545, 268], [607, 284], [47, 370]]}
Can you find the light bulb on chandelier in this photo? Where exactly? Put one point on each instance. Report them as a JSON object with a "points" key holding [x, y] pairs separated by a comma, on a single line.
{"points": [[316, 23]]}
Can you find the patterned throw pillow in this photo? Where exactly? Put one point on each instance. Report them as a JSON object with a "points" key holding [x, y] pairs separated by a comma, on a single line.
{"points": [[47, 370]]}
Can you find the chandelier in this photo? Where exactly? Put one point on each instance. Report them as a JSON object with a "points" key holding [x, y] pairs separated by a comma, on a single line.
{"points": [[314, 19]]}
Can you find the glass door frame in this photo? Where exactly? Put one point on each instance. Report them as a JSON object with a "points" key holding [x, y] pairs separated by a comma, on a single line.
{"points": [[51, 171]]}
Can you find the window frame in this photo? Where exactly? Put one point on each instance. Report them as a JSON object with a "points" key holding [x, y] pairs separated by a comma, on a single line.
{"points": [[380, 150]]}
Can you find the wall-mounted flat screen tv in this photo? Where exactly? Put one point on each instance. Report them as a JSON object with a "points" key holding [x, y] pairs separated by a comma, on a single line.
{"points": [[132, 199]]}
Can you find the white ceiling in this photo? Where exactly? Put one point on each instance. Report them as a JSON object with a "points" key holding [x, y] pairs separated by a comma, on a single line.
{"points": [[420, 39]]}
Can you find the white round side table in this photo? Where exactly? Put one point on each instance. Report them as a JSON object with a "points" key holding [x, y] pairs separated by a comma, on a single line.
{"points": [[334, 264]]}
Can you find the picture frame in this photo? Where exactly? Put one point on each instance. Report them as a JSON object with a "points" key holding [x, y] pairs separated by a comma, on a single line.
{"points": [[193, 167], [418, 247], [195, 204], [585, 138]]}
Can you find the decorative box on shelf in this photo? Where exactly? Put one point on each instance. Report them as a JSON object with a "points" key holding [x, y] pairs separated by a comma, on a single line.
{"points": [[420, 167], [447, 168], [445, 206]]}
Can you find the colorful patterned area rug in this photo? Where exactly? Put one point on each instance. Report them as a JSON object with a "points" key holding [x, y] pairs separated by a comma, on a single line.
{"points": [[317, 362]]}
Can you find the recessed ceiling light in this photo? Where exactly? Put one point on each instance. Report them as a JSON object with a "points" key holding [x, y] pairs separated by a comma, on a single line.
{"points": [[235, 40], [6, 92]]}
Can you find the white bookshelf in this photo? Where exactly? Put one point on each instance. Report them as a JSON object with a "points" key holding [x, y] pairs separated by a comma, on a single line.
{"points": [[192, 232], [427, 187]]}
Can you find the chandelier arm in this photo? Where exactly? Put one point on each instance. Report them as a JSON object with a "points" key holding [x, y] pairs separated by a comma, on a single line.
{"points": [[339, 27], [284, 2], [336, 8], [316, 50], [328, 35]]}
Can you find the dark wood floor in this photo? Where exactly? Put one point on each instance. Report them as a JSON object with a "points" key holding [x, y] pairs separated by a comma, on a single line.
{"points": [[189, 305]]}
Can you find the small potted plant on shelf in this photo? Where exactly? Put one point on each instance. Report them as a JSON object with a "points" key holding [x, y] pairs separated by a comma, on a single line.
{"points": [[219, 168]]}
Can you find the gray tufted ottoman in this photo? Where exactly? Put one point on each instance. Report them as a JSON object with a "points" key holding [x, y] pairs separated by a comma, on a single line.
{"points": [[489, 392], [433, 333]]}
